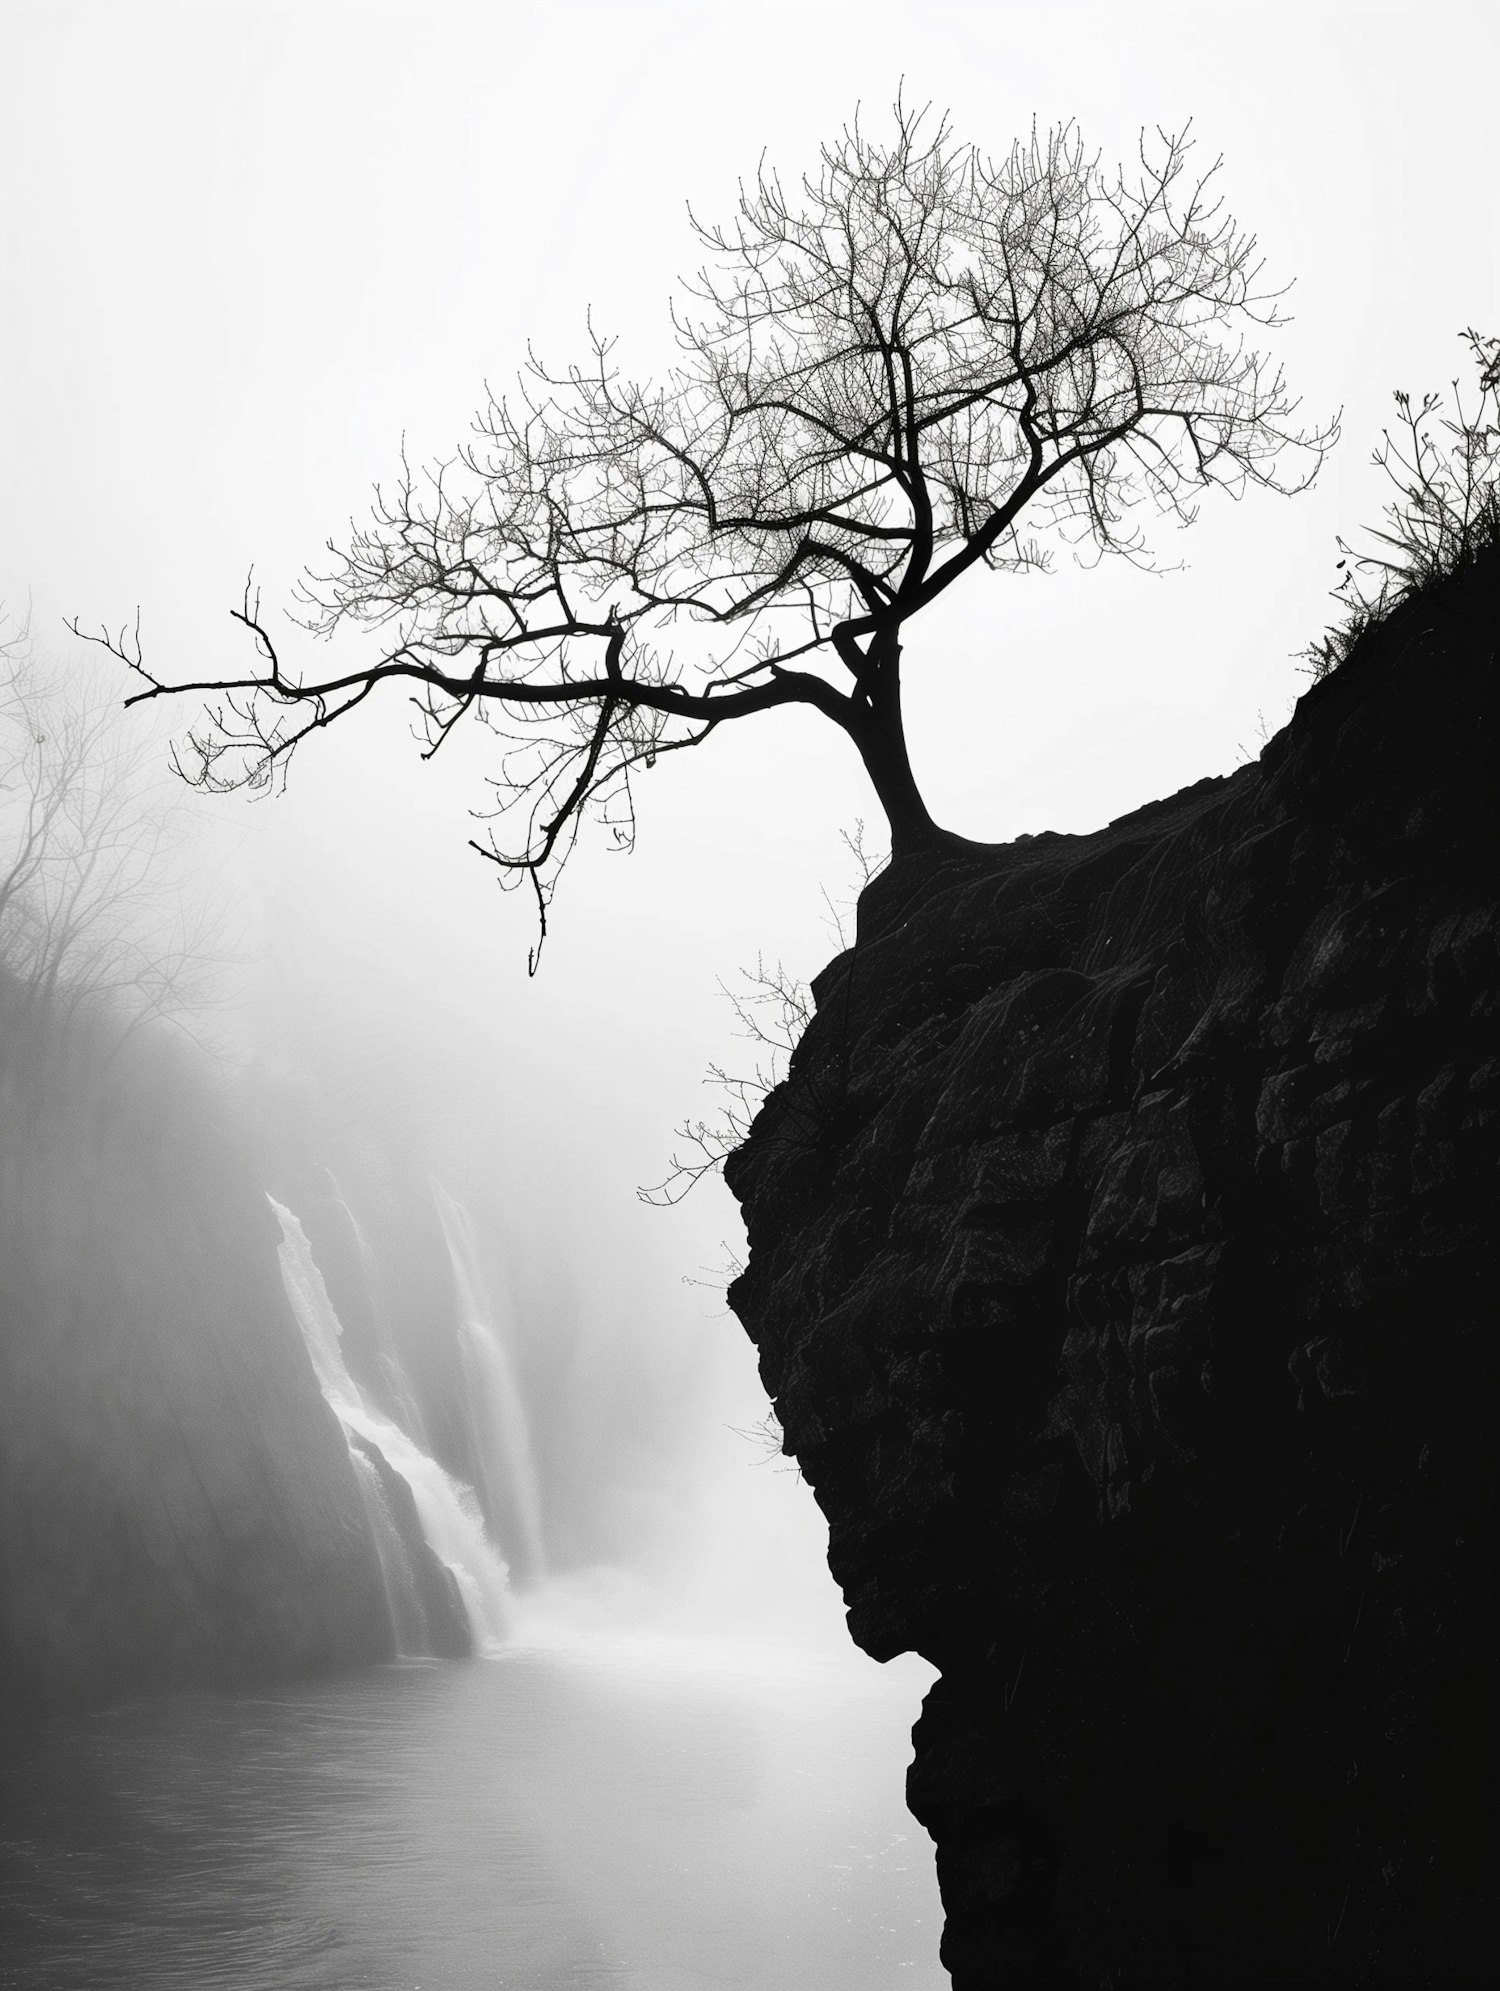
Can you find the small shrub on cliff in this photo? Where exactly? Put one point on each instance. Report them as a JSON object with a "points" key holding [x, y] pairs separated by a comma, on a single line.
{"points": [[772, 1008], [1446, 513]]}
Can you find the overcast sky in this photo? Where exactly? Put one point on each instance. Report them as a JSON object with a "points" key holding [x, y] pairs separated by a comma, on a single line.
{"points": [[247, 247]]}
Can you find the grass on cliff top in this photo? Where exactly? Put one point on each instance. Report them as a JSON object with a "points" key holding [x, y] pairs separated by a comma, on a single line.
{"points": [[1444, 517]]}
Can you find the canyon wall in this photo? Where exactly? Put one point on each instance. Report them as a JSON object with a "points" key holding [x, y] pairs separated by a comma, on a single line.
{"points": [[178, 1505], [1122, 1266]]}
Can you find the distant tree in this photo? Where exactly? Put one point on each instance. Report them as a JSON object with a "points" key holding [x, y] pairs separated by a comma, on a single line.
{"points": [[882, 378], [91, 910]]}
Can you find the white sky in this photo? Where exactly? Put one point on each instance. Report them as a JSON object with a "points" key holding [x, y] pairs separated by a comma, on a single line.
{"points": [[246, 247]]}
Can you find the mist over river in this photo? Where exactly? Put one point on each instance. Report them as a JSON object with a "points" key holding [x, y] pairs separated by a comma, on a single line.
{"points": [[634, 1811], [389, 1599]]}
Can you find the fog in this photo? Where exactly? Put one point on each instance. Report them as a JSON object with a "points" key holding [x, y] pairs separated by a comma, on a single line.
{"points": [[250, 249]]}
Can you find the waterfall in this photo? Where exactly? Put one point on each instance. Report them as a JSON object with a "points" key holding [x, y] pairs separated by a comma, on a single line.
{"points": [[446, 1512], [398, 1579], [401, 1397], [499, 1434], [408, 1413]]}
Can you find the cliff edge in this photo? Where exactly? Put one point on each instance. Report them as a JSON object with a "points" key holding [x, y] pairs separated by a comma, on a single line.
{"points": [[1122, 1267]]}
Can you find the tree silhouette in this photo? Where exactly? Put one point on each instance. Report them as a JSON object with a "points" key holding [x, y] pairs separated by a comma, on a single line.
{"points": [[882, 377]]}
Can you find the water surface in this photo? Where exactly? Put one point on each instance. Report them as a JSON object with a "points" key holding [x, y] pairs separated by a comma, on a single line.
{"points": [[633, 1814]]}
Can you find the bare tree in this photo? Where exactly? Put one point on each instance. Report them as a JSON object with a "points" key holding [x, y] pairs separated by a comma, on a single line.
{"points": [[92, 905], [883, 376]]}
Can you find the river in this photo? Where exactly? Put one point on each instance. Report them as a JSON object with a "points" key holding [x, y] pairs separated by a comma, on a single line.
{"points": [[585, 1812]]}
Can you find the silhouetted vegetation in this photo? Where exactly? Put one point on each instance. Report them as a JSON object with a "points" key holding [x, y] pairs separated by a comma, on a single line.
{"points": [[884, 376], [772, 1007], [1446, 512]]}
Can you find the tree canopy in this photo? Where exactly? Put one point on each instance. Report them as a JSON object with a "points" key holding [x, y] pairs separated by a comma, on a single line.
{"points": [[915, 362]]}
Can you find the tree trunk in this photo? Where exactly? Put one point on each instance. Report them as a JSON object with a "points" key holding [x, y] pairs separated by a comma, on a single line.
{"points": [[880, 735]]}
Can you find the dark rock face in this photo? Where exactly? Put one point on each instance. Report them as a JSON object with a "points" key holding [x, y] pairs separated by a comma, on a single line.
{"points": [[177, 1502], [1123, 1270]]}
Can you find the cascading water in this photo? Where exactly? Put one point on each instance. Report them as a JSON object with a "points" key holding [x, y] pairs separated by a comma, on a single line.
{"points": [[407, 1409], [446, 1512], [499, 1433], [409, 1631], [399, 1393]]}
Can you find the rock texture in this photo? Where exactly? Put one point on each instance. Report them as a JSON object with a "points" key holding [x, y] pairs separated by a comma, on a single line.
{"points": [[177, 1503], [1123, 1270]]}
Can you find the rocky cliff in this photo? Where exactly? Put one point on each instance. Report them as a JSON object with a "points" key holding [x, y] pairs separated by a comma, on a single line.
{"points": [[177, 1503], [1123, 1269]]}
